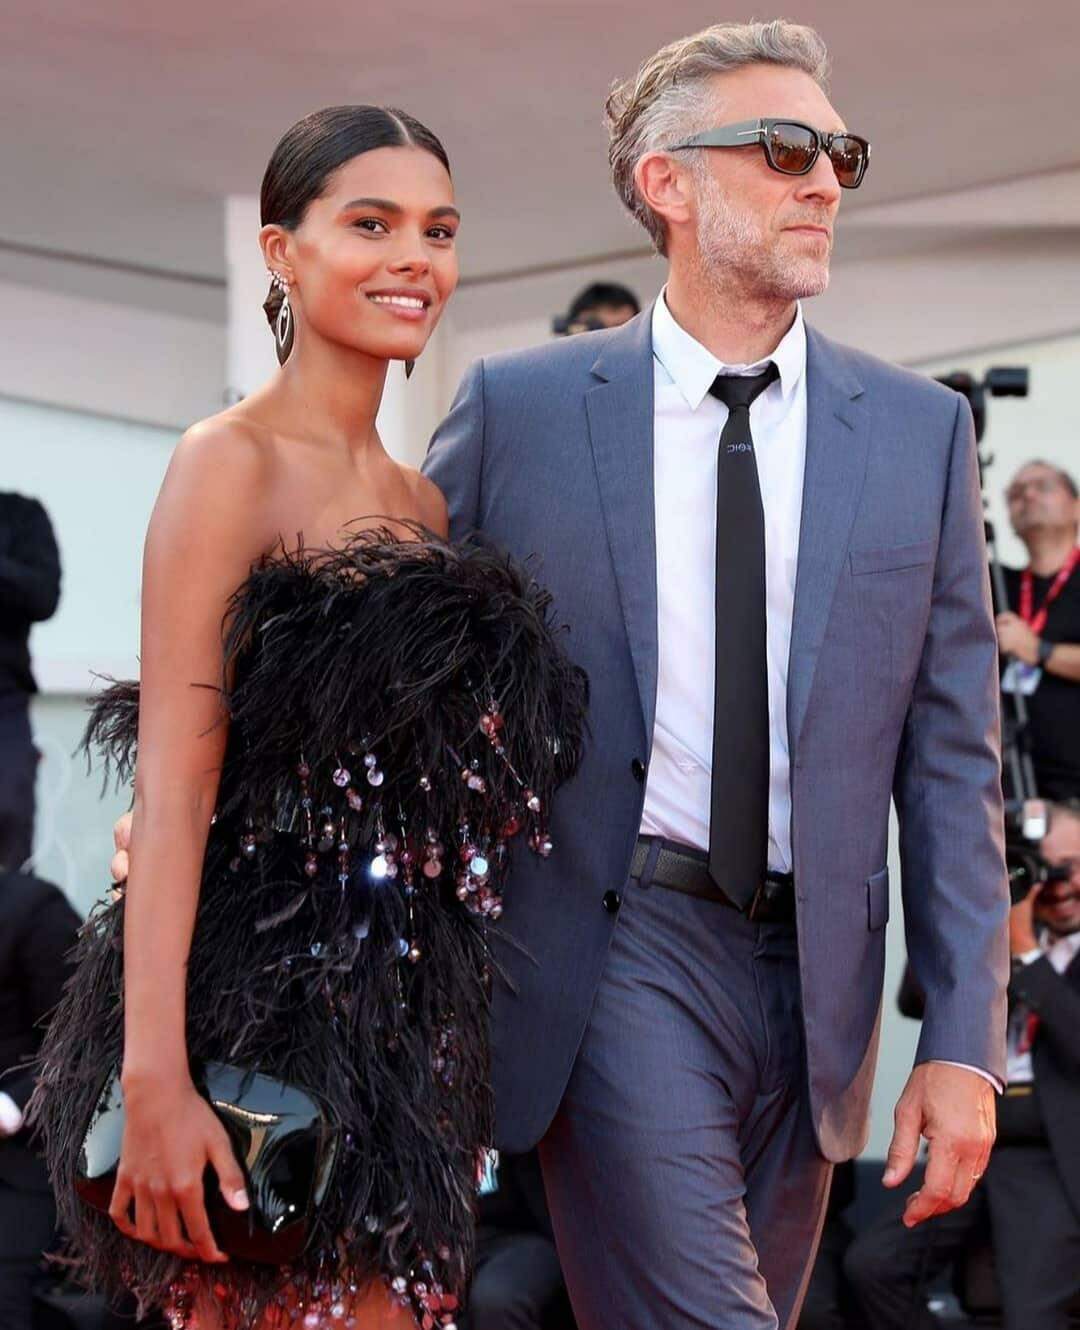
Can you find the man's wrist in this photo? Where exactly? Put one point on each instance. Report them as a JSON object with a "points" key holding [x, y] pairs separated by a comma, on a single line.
{"points": [[1043, 651], [967, 1066]]}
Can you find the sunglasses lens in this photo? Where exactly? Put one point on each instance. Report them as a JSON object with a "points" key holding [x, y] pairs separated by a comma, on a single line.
{"points": [[792, 148], [848, 156]]}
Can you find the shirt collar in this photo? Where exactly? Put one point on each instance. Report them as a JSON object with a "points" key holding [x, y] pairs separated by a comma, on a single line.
{"points": [[693, 367]]}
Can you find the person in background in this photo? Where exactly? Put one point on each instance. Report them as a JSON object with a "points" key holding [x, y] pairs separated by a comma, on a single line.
{"points": [[600, 305], [29, 593], [519, 1282], [37, 930], [1040, 628], [1031, 1190]]}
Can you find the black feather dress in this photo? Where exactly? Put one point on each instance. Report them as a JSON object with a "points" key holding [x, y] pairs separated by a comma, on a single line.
{"points": [[400, 711]]}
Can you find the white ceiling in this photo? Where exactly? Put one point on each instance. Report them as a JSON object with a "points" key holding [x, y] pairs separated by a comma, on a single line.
{"points": [[123, 123]]}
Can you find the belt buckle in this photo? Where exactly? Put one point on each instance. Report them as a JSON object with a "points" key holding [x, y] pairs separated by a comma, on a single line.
{"points": [[763, 903], [757, 902]]}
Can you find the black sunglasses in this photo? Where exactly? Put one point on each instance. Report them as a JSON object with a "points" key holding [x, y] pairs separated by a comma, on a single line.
{"points": [[791, 147]]}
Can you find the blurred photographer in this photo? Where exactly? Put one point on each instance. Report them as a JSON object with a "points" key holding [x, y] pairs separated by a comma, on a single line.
{"points": [[1040, 629], [1031, 1190], [38, 928], [29, 593], [600, 305]]}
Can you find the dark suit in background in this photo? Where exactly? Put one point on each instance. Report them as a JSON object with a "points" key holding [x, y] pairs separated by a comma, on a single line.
{"points": [[37, 929], [518, 1283], [29, 592], [1030, 1194]]}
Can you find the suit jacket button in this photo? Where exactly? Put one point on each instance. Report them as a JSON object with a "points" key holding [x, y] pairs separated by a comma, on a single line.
{"points": [[612, 901], [637, 770]]}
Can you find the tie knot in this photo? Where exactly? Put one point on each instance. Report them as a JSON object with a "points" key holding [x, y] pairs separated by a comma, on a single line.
{"points": [[741, 389]]}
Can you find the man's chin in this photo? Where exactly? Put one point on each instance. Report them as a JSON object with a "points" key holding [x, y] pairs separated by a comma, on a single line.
{"points": [[801, 281]]}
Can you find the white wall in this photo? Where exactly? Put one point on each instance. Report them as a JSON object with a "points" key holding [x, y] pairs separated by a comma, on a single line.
{"points": [[97, 477]]}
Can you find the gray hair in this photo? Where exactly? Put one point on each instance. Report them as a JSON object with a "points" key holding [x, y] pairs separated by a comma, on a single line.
{"points": [[663, 102]]}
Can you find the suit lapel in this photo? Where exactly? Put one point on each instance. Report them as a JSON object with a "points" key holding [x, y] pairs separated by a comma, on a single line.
{"points": [[620, 414], [837, 443]]}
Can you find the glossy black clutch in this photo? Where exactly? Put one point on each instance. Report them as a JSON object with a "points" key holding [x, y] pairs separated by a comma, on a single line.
{"points": [[285, 1143]]}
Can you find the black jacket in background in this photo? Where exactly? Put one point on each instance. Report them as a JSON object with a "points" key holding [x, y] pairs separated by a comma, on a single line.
{"points": [[29, 587], [37, 931], [1055, 1057]]}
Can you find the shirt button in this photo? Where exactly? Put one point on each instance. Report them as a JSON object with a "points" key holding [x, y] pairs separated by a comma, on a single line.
{"points": [[637, 770], [612, 901]]}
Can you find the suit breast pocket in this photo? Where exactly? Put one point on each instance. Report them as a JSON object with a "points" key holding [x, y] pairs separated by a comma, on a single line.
{"points": [[892, 558], [893, 586]]}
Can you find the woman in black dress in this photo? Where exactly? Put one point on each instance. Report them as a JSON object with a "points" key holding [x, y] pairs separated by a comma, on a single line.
{"points": [[325, 791]]}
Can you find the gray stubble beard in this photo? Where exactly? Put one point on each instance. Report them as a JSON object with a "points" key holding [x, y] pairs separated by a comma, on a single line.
{"points": [[732, 249]]}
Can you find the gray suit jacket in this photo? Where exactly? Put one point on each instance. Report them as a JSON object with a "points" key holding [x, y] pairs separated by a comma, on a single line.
{"points": [[892, 691]]}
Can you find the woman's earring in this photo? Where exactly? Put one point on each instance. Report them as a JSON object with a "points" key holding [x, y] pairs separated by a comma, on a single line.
{"points": [[283, 327]]}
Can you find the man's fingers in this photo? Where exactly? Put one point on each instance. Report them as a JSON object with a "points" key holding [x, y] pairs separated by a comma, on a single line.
{"points": [[934, 1196], [121, 832], [904, 1147], [118, 866]]}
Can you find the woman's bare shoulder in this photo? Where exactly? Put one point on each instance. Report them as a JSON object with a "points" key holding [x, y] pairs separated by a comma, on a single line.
{"points": [[222, 480], [429, 500], [228, 445]]}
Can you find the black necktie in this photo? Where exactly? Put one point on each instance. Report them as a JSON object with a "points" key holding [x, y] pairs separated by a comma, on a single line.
{"points": [[739, 815]]}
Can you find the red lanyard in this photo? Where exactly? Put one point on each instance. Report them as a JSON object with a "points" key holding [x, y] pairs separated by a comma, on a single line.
{"points": [[1037, 622]]}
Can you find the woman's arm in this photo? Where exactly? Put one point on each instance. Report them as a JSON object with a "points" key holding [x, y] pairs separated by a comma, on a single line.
{"points": [[208, 526]]}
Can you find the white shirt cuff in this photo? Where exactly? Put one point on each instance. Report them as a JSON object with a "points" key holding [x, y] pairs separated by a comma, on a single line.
{"points": [[945, 1062], [11, 1115]]}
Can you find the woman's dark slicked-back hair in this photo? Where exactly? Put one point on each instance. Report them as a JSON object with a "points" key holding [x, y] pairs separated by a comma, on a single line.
{"points": [[313, 149]]}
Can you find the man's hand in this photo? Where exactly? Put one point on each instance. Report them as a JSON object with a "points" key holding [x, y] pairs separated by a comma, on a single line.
{"points": [[1022, 937], [954, 1109], [1015, 638], [121, 835]]}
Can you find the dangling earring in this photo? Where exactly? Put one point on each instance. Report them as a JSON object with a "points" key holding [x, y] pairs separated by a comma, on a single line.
{"points": [[283, 327]]}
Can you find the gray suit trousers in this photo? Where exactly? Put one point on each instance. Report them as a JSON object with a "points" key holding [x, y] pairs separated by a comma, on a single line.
{"points": [[685, 1185]]}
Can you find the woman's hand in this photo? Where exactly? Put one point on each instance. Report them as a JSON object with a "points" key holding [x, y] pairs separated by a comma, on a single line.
{"points": [[170, 1136]]}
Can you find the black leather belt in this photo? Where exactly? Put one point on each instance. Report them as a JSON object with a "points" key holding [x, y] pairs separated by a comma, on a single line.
{"points": [[680, 868]]}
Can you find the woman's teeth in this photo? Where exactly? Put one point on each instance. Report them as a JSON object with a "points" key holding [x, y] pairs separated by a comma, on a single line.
{"points": [[402, 302]]}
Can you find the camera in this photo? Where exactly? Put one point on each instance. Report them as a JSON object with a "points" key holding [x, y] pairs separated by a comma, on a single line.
{"points": [[1028, 869]]}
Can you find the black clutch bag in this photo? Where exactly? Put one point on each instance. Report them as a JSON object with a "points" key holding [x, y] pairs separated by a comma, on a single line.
{"points": [[283, 1139]]}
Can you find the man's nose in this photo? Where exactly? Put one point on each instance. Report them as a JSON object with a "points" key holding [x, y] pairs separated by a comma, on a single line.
{"points": [[820, 183]]}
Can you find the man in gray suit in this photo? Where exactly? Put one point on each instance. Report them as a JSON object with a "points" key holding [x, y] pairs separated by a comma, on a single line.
{"points": [[686, 1015]]}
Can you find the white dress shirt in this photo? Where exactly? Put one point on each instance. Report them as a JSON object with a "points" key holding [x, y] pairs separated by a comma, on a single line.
{"points": [[687, 427]]}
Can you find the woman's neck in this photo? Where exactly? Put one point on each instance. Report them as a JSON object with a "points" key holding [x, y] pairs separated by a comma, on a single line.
{"points": [[330, 394]]}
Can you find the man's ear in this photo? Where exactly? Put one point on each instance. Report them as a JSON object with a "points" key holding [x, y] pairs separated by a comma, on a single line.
{"points": [[667, 187]]}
